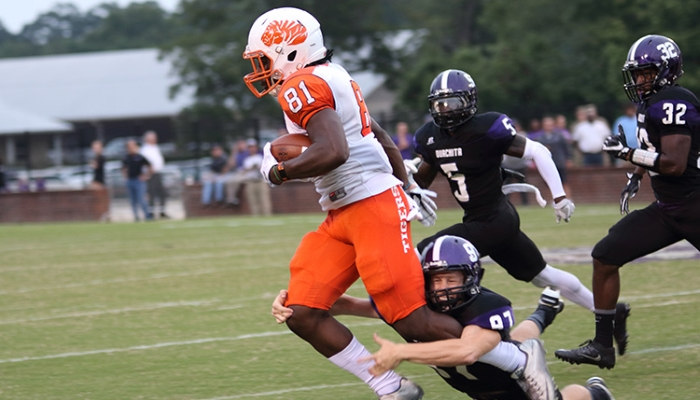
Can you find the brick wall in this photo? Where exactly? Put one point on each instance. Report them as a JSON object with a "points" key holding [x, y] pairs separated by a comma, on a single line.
{"points": [[588, 185], [62, 205]]}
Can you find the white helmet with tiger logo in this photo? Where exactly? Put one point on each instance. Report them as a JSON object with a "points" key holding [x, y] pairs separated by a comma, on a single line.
{"points": [[280, 42]]}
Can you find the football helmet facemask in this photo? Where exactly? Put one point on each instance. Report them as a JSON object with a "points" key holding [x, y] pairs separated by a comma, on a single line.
{"points": [[452, 253], [656, 57], [280, 42], [452, 99]]}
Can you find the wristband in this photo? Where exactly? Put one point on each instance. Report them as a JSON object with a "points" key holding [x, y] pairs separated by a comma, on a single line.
{"points": [[645, 158], [281, 172]]}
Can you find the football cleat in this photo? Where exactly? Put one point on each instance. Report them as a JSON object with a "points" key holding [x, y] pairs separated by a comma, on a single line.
{"points": [[548, 307], [551, 298], [407, 391], [597, 385], [534, 377], [622, 312], [589, 352]]}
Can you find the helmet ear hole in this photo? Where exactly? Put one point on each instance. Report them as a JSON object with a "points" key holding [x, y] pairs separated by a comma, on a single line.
{"points": [[291, 56]]}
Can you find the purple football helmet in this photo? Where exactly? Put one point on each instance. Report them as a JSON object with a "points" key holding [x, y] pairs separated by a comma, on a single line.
{"points": [[452, 253], [452, 98], [656, 55]]}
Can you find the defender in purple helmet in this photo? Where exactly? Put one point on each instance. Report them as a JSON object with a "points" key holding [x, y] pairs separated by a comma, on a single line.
{"points": [[467, 147], [668, 131]]}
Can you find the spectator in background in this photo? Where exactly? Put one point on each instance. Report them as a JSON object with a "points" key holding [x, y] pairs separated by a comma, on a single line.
{"points": [[404, 141], [561, 125], [3, 181], [257, 191], [213, 179], [589, 135], [234, 180], [136, 169], [154, 185], [628, 121], [534, 129], [97, 164], [553, 139]]}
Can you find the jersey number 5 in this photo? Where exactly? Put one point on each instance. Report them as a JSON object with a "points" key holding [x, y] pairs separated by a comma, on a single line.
{"points": [[461, 193]]}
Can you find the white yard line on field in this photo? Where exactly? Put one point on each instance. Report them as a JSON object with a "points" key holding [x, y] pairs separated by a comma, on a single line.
{"points": [[165, 344], [143, 262], [263, 296], [113, 281], [299, 389], [97, 313]]}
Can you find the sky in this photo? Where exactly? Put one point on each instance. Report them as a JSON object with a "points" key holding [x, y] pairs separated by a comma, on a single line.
{"points": [[14, 14]]}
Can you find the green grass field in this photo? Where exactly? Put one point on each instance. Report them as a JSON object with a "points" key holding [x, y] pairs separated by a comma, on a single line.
{"points": [[181, 310]]}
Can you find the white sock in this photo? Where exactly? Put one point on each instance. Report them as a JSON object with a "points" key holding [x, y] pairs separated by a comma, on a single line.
{"points": [[568, 284], [505, 356], [386, 383]]}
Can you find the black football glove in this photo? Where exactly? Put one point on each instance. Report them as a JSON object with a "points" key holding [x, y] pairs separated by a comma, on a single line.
{"points": [[629, 191], [617, 145]]}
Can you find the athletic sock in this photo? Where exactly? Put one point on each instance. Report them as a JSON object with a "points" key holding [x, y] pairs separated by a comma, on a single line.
{"points": [[505, 356], [604, 327], [347, 359], [543, 316]]}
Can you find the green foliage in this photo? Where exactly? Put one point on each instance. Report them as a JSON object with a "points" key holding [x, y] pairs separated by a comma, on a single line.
{"points": [[528, 58], [181, 310], [64, 29]]}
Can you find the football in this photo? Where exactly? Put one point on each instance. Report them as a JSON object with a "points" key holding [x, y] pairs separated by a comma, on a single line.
{"points": [[289, 146]]}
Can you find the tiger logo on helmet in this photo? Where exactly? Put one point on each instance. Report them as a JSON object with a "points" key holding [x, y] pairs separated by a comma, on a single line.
{"points": [[281, 42]]}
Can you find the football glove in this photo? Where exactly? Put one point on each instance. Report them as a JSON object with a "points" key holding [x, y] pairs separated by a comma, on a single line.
{"points": [[268, 162], [629, 191], [564, 209], [427, 209], [412, 165], [617, 146]]}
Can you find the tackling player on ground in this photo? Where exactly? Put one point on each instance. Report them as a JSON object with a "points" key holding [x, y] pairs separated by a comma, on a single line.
{"points": [[453, 274], [668, 131]]}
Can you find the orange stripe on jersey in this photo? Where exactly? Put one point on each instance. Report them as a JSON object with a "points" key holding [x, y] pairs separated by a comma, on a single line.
{"points": [[303, 95]]}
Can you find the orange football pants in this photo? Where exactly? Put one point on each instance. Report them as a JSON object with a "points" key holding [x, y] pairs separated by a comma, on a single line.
{"points": [[369, 239]]}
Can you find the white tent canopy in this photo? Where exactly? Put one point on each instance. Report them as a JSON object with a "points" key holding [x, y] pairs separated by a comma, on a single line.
{"points": [[14, 121], [92, 86]]}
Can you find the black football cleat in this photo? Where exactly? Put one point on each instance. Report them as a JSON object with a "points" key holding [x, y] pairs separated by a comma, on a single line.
{"points": [[590, 352], [622, 312]]}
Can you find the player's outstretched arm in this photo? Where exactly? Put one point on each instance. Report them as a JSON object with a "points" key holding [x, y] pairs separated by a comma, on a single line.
{"points": [[474, 343], [345, 305], [530, 150]]}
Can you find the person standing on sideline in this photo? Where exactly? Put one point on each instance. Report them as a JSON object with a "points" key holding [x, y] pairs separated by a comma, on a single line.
{"points": [[404, 140], [668, 130], [3, 179], [97, 164], [136, 169], [213, 180], [154, 185], [257, 191], [589, 135]]}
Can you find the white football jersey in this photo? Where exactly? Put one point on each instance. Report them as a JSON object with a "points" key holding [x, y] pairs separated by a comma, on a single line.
{"points": [[367, 170]]}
